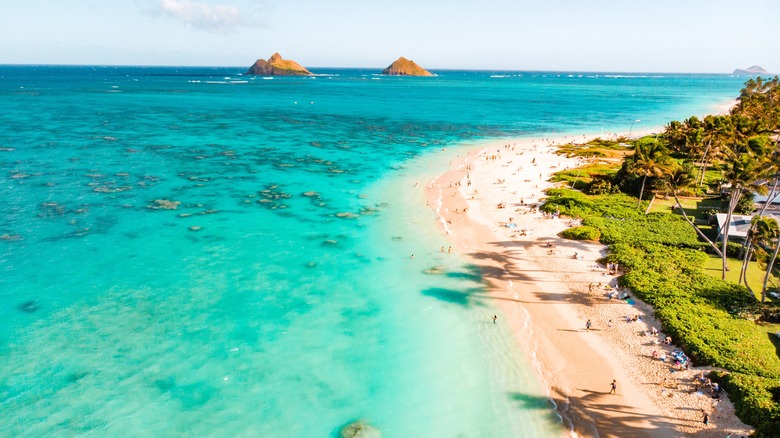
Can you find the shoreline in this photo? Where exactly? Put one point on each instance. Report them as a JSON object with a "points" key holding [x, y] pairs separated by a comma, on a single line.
{"points": [[483, 204]]}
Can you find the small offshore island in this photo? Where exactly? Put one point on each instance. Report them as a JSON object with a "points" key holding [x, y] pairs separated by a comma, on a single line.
{"points": [[277, 66], [405, 67], [751, 71]]}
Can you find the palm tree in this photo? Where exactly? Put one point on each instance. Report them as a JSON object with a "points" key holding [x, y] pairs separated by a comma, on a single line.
{"points": [[650, 159], [770, 265], [680, 177], [745, 163], [763, 230], [748, 243], [715, 131], [759, 101], [694, 137], [676, 136]]}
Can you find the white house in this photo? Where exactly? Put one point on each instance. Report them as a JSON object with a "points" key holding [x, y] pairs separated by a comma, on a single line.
{"points": [[738, 227]]}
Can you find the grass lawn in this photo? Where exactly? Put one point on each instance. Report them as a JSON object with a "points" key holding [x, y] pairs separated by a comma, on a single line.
{"points": [[581, 176], [694, 207], [771, 331], [755, 276], [612, 150]]}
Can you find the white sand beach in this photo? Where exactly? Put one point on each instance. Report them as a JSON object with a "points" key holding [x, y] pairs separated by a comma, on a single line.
{"points": [[486, 204]]}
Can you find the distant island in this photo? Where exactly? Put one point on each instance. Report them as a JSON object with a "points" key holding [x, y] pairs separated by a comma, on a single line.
{"points": [[405, 67], [276, 66], [751, 71]]}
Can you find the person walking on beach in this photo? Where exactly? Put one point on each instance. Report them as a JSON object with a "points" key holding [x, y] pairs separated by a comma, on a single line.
{"points": [[614, 387], [706, 418], [588, 325], [495, 317]]}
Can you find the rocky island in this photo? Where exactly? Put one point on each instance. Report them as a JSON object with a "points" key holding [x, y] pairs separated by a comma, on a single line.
{"points": [[751, 71], [276, 66], [405, 67]]}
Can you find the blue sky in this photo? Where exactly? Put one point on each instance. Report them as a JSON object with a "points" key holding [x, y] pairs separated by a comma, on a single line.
{"points": [[573, 35]]}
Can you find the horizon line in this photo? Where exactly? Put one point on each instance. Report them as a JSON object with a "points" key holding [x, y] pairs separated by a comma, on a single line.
{"points": [[380, 68]]}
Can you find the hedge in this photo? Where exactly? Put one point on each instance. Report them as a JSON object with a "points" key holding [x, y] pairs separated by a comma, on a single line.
{"points": [[581, 233], [756, 400]]}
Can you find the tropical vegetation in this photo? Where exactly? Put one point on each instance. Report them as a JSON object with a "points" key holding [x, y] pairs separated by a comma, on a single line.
{"points": [[732, 157]]}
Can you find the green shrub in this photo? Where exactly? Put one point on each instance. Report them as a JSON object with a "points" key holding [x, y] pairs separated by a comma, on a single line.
{"points": [[734, 249], [581, 233], [756, 400], [601, 185]]}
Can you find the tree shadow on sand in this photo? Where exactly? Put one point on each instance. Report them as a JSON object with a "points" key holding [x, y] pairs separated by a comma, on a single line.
{"points": [[520, 267], [597, 413]]}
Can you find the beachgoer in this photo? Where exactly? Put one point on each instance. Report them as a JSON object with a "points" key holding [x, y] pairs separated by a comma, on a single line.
{"points": [[587, 325], [609, 323], [495, 317], [449, 250], [706, 418], [614, 387]]}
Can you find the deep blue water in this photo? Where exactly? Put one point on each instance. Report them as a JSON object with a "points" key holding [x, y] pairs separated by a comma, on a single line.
{"points": [[192, 251]]}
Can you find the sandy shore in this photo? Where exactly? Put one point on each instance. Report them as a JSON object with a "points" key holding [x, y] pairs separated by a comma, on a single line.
{"points": [[485, 205]]}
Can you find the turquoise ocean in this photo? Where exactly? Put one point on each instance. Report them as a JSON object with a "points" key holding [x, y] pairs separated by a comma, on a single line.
{"points": [[193, 252]]}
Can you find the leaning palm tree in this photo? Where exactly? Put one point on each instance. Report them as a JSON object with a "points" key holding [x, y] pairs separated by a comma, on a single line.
{"points": [[680, 177], [650, 159], [763, 231], [745, 164], [769, 267], [748, 243]]}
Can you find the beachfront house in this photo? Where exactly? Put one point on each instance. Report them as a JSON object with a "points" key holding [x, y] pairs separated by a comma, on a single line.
{"points": [[740, 224], [774, 204], [738, 227]]}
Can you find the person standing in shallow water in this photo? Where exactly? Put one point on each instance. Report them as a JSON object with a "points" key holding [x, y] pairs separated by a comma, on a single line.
{"points": [[495, 317]]}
